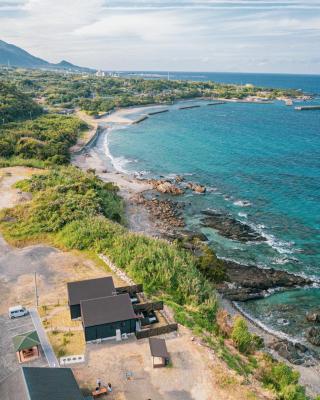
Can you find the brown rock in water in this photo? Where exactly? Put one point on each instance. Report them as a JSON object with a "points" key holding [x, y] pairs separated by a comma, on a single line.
{"points": [[179, 178], [251, 282], [196, 187], [168, 187], [230, 227], [313, 316], [313, 335]]}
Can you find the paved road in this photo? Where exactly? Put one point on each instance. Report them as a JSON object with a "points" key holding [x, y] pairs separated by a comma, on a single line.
{"points": [[45, 344]]}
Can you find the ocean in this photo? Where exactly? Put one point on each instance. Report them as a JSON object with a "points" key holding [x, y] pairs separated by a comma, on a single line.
{"points": [[260, 164]]}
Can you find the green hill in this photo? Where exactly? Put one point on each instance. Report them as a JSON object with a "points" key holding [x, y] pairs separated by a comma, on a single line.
{"points": [[14, 56]]}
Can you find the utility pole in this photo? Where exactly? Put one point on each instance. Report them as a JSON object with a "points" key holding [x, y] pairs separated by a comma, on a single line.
{"points": [[36, 289]]}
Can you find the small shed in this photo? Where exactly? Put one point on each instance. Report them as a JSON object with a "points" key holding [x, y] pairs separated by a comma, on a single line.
{"points": [[159, 352], [86, 290], [26, 346], [108, 317]]}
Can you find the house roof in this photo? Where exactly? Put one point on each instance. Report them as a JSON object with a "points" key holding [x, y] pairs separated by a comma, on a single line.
{"points": [[25, 341], [106, 310], [158, 348], [51, 384], [90, 289], [32, 383]]}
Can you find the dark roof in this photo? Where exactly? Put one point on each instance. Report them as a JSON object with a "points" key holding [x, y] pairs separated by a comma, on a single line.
{"points": [[90, 289], [106, 310], [25, 341], [158, 348], [51, 384]]}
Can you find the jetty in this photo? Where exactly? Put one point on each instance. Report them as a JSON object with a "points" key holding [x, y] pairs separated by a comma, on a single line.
{"points": [[188, 107], [216, 103], [307, 108], [158, 112], [137, 121]]}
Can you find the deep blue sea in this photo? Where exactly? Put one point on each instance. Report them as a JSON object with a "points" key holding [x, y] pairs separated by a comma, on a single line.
{"points": [[261, 163]]}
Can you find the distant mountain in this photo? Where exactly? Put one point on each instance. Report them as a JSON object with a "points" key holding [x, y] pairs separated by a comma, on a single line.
{"points": [[17, 57]]}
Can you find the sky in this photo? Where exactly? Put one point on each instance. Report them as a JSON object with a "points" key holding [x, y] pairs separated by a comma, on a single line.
{"points": [[162, 35]]}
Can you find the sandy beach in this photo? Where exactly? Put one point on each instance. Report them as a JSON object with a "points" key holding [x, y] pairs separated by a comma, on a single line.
{"points": [[92, 157]]}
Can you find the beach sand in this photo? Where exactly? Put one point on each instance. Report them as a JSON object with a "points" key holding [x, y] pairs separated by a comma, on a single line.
{"points": [[93, 157]]}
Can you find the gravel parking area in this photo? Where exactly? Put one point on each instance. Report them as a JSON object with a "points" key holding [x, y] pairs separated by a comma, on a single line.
{"points": [[8, 359]]}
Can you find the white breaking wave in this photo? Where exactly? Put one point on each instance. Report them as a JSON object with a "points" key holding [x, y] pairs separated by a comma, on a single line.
{"points": [[243, 215], [118, 163], [278, 334], [242, 203]]}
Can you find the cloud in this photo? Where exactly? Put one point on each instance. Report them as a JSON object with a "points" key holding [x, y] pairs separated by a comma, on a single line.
{"points": [[161, 34], [148, 27]]}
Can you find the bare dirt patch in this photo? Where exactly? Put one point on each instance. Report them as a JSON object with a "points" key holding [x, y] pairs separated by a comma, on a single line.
{"points": [[192, 375]]}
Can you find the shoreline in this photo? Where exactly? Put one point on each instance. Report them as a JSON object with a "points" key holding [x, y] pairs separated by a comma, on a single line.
{"points": [[140, 221]]}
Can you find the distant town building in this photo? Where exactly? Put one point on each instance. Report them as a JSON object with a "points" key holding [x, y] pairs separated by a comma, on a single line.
{"points": [[100, 73]]}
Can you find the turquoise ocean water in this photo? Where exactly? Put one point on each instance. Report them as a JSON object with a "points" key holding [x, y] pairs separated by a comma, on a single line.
{"points": [[261, 163]]}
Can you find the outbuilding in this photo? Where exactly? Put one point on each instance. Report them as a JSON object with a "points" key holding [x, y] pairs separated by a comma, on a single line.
{"points": [[108, 317], [86, 290], [26, 346], [159, 352]]}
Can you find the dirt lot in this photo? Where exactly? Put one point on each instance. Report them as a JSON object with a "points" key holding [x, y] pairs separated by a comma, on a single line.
{"points": [[53, 267], [195, 374], [188, 377]]}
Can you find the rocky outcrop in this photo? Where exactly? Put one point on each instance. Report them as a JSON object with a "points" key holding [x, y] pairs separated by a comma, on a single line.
{"points": [[196, 187], [229, 227], [313, 316], [295, 353], [166, 214], [164, 186], [313, 335], [179, 178], [251, 282]]}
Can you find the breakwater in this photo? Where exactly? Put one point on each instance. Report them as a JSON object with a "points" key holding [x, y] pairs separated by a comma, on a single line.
{"points": [[158, 112], [188, 107], [307, 108]]}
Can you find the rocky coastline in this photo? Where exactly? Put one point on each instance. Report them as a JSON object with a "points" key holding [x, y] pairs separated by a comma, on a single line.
{"points": [[243, 282]]}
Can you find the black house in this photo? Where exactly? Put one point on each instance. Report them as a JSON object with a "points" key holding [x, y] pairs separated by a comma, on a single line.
{"points": [[86, 290], [108, 317]]}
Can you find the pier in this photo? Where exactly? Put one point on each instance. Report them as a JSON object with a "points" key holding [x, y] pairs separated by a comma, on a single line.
{"points": [[137, 121], [158, 112], [307, 108], [216, 103], [188, 107]]}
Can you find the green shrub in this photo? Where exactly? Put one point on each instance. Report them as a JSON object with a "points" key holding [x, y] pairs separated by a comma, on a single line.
{"points": [[62, 196], [46, 138], [283, 380], [210, 266], [241, 336]]}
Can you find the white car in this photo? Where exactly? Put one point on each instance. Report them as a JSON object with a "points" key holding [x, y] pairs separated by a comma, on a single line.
{"points": [[17, 311]]}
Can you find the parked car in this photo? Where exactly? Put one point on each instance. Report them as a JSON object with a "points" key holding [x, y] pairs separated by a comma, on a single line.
{"points": [[17, 311]]}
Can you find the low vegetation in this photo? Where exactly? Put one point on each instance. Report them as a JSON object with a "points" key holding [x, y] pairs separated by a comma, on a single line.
{"points": [[41, 142], [15, 104], [102, 94]]}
